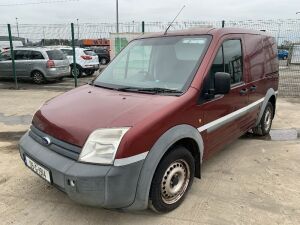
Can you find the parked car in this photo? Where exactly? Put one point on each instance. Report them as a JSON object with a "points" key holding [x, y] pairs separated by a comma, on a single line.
{"points": [[138, 134], [103, 55], [38, 64], [86, 61], [283, 54]]}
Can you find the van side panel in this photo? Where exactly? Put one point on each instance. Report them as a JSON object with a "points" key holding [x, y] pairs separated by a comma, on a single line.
{"points": [[262, 65], [271, 63]]}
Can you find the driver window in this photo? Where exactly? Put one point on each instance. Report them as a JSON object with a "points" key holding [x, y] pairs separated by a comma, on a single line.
{"points": [[229, 59]]}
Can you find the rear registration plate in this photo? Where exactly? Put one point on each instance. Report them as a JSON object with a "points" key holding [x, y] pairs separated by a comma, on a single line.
{"points": [[38, 169]]}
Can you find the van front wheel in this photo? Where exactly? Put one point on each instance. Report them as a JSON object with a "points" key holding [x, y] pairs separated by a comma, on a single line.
{"points": [[264, 126], [172, 180]]}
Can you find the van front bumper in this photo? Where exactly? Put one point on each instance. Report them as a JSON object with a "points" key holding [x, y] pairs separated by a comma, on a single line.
{"points": [[95, 185]]}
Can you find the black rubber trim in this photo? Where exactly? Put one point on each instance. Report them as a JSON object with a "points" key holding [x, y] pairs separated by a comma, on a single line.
{"points": [[58, 146]]}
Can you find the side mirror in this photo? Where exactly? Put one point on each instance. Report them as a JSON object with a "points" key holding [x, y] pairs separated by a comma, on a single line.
{"points": [[222, 83]]}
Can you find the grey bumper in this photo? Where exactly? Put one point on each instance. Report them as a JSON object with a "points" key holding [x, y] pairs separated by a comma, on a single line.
{"points": [[51, 74], [96, 185]]}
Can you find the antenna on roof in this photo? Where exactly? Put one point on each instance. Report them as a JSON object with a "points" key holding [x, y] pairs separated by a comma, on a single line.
{"points": [[173, 20]]}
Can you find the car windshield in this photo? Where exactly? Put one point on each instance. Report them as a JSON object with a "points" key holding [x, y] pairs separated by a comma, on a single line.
{"points": [[167, 63]]}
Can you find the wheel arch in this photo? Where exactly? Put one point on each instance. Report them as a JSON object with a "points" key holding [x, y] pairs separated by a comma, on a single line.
{"points": [[271, 96], [36, 70], [72, 64], [185, 135]]}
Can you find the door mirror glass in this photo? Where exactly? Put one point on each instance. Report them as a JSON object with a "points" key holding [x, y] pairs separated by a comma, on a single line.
{"points": [[222, 83]]}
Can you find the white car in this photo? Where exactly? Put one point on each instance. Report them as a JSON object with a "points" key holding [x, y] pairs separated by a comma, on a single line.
{"points": [[87, 61]]}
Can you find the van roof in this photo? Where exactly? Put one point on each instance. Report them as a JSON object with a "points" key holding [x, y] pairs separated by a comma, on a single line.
{"points": [[202, 31]]}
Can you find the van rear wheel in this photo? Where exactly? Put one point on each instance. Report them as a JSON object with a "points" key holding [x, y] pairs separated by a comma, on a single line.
{"points": [[264, 126], [172, 180]]}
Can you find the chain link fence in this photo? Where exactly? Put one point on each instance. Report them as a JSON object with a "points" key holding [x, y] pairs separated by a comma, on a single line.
{"points": [[285, 31]]}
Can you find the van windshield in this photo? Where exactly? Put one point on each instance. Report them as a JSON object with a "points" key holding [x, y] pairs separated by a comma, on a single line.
{"points": [[163, 63]]}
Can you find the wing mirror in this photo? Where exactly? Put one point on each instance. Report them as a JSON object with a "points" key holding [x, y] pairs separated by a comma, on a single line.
{"points": [[222, 83]]}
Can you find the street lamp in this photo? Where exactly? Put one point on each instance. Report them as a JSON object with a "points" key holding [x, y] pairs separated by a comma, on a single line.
{"points": [[297, 12], [117, 16], [17, 26]]}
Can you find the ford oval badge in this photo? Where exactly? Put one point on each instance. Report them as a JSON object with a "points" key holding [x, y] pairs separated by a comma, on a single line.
{"points": [[47, 140]]}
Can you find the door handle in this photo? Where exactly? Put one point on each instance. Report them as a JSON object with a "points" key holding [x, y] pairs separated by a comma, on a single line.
{"points": [[244, 91], [253, 88]]}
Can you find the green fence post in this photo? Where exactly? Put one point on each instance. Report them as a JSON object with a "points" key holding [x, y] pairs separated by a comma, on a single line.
{"points": [[223, 23], [12, 55], [74, 55], [143, 26]]}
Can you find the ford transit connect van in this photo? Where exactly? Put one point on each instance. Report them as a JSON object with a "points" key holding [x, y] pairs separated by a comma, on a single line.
{"points": [[137, 135]]}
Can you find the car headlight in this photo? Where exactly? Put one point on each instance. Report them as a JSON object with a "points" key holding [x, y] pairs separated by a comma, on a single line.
{"points": [[102, 145]]}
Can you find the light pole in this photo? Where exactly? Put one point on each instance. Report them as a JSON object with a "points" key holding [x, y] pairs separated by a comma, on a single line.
{"points": [[297, 12], [17, 26], [117, 16], [77, 29]]}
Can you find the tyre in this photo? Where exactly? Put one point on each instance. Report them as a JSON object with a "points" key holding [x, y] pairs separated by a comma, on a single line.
{"points": [[76, 69], [172, 180], [103, 61], [89, 72], [264, 126], [37, 77]]}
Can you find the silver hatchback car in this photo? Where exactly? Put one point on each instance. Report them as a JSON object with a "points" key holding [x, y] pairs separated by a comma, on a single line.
{"points": [[39, 64]]}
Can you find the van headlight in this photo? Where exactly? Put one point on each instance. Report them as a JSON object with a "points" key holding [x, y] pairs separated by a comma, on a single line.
{"points": [[102, 145]]}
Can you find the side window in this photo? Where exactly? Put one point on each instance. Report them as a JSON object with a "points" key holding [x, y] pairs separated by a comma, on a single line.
{"points": [[22, 55], [5, 56], [233, 60], [229, 59], [67, 52], [36, 55]]}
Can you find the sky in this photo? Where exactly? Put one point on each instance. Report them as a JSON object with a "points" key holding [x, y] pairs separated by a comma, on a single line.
{"points": [[96, 11]]}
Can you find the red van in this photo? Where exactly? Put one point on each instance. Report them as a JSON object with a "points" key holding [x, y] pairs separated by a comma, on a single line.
{"points": [[137, 135]]}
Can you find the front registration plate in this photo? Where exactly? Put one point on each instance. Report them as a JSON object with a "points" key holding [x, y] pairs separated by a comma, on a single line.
{"points": [[38, 169]]}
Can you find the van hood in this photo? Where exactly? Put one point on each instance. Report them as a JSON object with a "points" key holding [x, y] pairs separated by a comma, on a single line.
{"points": [[72, 116]]}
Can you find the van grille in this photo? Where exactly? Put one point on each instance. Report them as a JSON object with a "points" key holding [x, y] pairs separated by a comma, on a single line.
{"points": [[60, 147]]}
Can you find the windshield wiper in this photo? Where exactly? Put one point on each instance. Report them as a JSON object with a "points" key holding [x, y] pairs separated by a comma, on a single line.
{"points": [[154, 90]]}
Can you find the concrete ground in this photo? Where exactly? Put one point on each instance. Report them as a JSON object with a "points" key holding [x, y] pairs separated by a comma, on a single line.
{"points": [[251, 181]]}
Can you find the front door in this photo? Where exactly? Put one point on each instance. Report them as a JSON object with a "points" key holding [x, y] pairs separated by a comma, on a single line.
{"points": [[223, 115], [5, 65]]}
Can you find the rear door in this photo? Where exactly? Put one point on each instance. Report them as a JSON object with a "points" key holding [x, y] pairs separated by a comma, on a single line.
{"points": [[23, 63], [37, 61], [222, 112]]}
